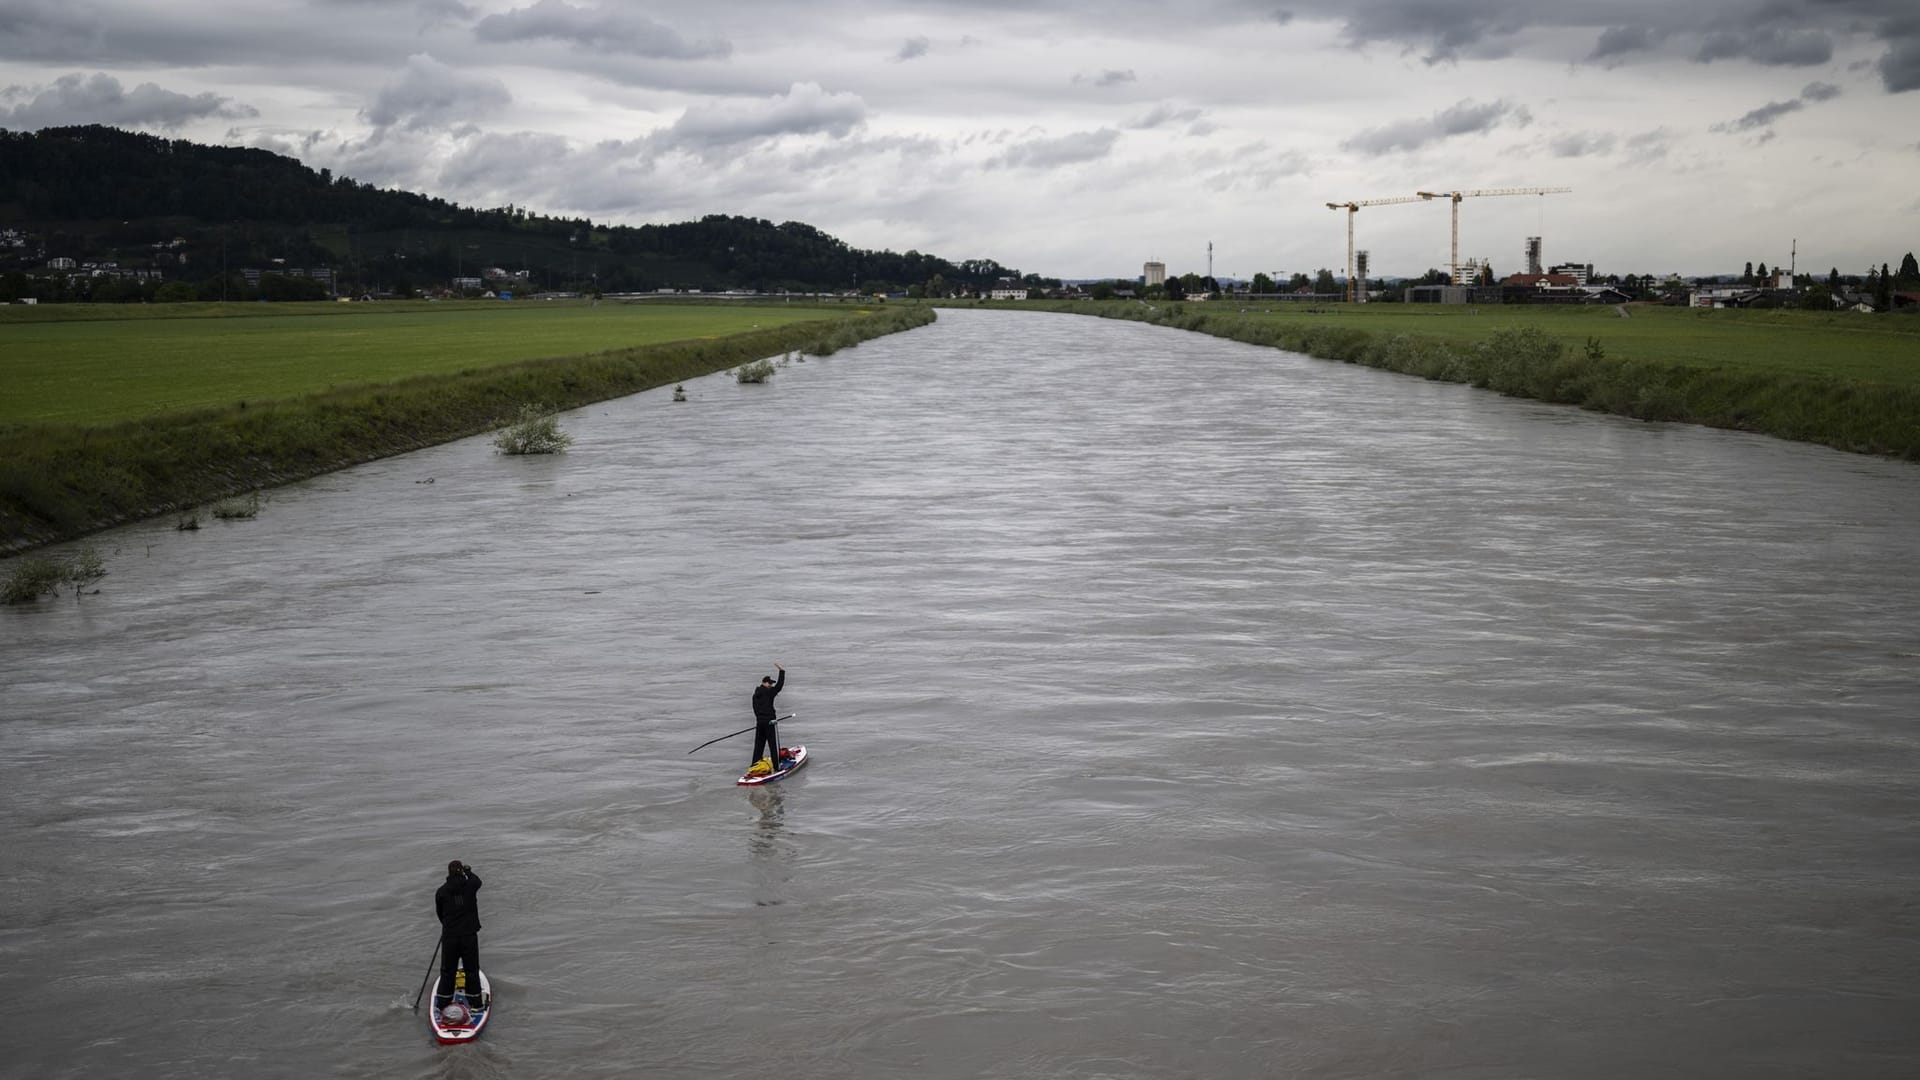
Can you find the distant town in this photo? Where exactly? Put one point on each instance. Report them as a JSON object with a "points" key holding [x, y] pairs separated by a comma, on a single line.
{"points": [[166, 271]]}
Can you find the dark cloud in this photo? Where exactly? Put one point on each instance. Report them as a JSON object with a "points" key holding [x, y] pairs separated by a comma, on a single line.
{"points": [[1445, 29], [805, 109], [1619, 40], [1164, 114], [1765, 115], [100, 99], [1775, 33], [1900, 67], [912, 48], [48, 30], [428, 94], [1648, 146], [1045, 153], [1768, 45], [1581, 144], [1464, 118], [605, 29]]}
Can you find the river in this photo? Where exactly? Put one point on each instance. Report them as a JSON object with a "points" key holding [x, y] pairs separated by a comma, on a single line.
{"points": [[1179, 708]]}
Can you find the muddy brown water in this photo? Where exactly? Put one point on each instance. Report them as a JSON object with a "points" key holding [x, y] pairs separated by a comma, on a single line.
{"points": [[1180, 708]]}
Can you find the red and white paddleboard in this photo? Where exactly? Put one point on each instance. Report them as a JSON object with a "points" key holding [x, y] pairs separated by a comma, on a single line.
{"points": [[794, 763], [462, 1025]]}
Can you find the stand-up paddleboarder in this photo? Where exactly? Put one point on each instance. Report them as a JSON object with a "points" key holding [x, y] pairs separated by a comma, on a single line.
{"points": [[459, 910], [765, 731]]}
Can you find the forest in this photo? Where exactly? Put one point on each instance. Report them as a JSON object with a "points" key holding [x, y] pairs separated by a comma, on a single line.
{"points": [[188, 218]]}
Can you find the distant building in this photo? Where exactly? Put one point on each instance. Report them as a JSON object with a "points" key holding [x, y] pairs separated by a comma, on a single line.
{"points": [[61, 263], [1722, 296], [1155, 273], [1006, 289], [1579, 272], [1533, 255]]}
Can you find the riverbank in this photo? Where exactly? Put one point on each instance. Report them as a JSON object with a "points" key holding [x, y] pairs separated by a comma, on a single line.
{"points": [[1846, 383], [60, 481]]}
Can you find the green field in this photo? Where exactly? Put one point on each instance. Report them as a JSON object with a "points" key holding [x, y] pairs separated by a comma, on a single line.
{"points": [[1842, 345], [133, 417], [101, 365], [1837, 345], [1845, 380]]}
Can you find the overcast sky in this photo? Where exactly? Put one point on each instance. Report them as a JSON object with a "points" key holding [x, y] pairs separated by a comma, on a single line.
{"points": [[1072, 139]]}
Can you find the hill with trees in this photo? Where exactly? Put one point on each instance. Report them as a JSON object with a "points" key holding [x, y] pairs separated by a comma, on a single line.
{"points": [[97, 213]]}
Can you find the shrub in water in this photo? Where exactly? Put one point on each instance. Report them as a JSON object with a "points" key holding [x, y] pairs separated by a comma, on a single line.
{"points": [[35, 576], [235, 509], [757, 372], [31, 578], [537, 431]]}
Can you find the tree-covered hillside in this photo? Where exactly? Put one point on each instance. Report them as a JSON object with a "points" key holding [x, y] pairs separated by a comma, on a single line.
{"points": [[182, 212]]}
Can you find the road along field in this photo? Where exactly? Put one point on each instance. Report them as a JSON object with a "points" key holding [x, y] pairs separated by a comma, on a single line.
{"points": [[1848, 381], [103, 370], [126, 441]]}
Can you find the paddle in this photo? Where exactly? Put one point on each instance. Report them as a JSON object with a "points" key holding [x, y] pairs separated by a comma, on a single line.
{"points": [[742, 731], [423, 982]]}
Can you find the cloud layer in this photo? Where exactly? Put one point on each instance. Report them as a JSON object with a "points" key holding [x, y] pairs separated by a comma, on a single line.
{"points": [[1057, 135], [100, 99]]}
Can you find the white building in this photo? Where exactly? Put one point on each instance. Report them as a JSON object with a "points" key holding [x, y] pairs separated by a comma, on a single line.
{"points": [[1579, 272], [1156, 273]]}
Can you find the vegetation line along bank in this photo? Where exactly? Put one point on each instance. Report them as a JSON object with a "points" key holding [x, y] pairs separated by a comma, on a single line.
{"points": [[59, 482], [1525, 361]]}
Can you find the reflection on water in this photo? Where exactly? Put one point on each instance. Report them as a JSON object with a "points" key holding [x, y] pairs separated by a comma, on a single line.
{"points": [[1184, 709]]}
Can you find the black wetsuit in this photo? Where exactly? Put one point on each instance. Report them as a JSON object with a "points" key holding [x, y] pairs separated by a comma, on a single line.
{"points": [[459, 911], [765, 731]]}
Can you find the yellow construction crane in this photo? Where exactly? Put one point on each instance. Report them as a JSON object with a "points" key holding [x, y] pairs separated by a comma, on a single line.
{"points": [[1453, 266], [1353, 208]]}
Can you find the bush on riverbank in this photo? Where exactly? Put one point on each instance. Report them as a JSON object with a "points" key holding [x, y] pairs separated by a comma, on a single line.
{"points": [[1525, 361], [536, 431], [31, 577], [60, 481], [757, 372]]}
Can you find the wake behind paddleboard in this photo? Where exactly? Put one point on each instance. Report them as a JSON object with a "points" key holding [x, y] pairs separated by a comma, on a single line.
{"points": [[794, 764], [451, 1030]]}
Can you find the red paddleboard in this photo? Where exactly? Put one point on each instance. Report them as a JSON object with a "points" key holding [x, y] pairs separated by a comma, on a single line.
{"points": [[794, 763], [465, 1023]]}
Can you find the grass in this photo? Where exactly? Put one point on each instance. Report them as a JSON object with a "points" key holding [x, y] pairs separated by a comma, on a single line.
{"points": [[103, 364], [64, 480], [1847, 381], [1803, 344]]}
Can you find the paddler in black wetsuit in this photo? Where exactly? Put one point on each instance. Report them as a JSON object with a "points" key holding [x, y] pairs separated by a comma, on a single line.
{"points": [[459, 911], [765, 731]]}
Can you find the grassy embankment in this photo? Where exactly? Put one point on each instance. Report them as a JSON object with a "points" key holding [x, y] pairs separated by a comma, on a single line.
{"points": [[108, 419], [1843, 380]]}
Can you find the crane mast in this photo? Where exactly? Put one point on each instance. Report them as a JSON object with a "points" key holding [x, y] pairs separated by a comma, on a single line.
{"points": [[1453, 260], [1352, 207]]}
